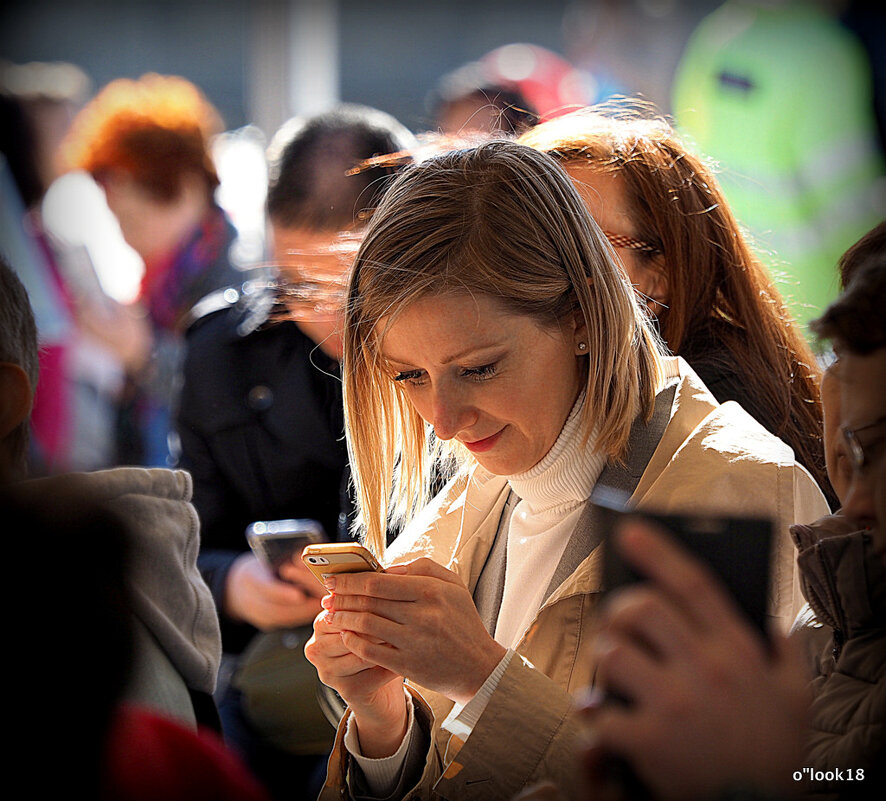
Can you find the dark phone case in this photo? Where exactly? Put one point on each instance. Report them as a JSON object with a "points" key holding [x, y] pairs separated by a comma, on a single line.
{"points": [[736, 549]]}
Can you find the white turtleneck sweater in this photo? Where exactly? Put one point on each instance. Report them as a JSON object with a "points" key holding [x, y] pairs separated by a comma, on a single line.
{"points": [[552, 495]]}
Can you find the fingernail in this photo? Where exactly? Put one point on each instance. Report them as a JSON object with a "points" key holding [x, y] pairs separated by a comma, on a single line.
{"points": [[327, 601], [329, 583], [396, 569], [330, 616]]}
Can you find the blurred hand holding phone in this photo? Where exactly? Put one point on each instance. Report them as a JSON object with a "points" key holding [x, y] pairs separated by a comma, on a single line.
{"points": [[278, 543], [736, 550]]}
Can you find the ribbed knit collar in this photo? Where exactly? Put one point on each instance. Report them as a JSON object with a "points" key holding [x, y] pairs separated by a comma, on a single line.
{"points": [[564, 478]]}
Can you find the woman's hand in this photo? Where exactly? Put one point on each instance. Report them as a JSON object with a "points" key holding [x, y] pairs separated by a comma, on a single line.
{"points": [[416, 620], [255, 595], [374, 694], [709, 706]]}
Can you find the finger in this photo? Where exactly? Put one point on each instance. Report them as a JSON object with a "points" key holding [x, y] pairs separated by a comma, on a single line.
{"points": [[333, 667], [626, 670], [396, 611], [426, 567], [284, 593], [374, 652], [618, 730], [691, 583], [324, 626], [390, 586], [366, 624], [347, 665], [650, 618]]}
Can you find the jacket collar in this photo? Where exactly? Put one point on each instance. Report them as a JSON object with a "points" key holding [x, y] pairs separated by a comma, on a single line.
{"points": [[842, 577]]}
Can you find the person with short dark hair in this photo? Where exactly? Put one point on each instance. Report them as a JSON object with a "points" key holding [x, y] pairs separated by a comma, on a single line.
{"points": [[261, 428]]}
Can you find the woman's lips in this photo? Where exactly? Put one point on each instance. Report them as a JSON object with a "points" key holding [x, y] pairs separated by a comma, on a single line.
{"points": [[481, 445]]}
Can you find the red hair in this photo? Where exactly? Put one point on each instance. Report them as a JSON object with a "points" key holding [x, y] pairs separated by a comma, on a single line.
{"points": [[717, 286], [157, 129]]}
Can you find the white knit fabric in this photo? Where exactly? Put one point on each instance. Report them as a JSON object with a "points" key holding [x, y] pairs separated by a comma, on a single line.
{"points": [[552, 495]]}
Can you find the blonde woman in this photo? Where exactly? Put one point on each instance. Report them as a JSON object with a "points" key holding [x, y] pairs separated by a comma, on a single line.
{"points": [[488, 323]]}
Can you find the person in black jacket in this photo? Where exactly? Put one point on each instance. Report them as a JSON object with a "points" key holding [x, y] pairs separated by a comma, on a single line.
{"points": [[260, 418]]}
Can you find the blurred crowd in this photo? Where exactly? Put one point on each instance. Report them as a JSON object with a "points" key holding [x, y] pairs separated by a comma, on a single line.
{"points": [[185, 317]]}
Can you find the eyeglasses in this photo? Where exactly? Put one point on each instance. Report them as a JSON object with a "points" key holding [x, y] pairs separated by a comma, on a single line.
{"points": [[861, 453], [624, 241]]}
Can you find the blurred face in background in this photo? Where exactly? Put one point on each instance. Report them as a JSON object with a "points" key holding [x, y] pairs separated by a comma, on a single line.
{"points": [[316, 263], [863, 411], [838, 465], [155, 229], [605, 196]]}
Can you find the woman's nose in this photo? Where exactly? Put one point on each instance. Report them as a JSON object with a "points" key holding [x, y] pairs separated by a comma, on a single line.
{"points": [[450, 414]]}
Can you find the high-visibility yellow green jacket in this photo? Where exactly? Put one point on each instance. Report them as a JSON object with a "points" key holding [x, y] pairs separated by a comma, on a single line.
{"points": [[779, 96]]}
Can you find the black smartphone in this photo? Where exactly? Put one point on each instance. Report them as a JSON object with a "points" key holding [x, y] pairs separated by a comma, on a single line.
{"points": [[275, 542], [737, 549]]}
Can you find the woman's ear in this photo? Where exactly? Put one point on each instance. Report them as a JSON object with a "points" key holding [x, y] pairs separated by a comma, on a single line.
{"points": [[15, 397]]}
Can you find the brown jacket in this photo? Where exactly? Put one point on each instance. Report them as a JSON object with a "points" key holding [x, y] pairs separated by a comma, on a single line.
{"points": [[844, 581], [710, 458]]}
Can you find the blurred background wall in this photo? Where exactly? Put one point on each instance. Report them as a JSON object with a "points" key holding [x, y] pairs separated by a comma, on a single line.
{"points": [[263, 60]]}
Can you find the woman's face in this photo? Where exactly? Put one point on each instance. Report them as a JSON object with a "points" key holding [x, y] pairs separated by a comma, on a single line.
{"points": [[153, 228], [605, 197], [497, 382]]}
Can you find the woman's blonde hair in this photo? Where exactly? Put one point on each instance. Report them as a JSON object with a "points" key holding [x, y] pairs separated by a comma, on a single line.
{"points": [[505, 221], [718, 290]]}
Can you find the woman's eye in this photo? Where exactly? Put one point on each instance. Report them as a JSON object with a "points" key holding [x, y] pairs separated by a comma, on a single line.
{"points": [[413, 377], [480, 373]]}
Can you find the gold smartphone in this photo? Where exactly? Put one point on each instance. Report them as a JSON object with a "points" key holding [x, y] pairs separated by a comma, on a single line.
{"points": [[328, 559]]}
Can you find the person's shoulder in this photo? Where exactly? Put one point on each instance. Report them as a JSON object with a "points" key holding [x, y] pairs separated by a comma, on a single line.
{"points": [[237, 320], [239, 309], [707, 432]]}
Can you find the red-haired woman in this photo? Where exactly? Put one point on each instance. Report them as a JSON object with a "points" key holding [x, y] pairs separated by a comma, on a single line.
{"points": [[661, 208], [147, 143]]}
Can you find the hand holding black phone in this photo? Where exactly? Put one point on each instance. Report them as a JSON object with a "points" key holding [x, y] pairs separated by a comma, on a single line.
{"points": [[737, 549]]}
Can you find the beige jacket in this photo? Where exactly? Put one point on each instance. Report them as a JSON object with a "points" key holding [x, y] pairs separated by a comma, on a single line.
{"points": [[711, 458]]}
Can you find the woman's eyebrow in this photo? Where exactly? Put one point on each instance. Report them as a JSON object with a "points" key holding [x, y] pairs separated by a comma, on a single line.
{"points": [[469, 351]]}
